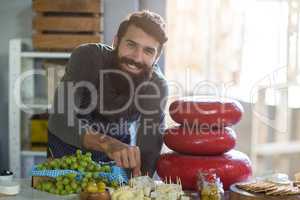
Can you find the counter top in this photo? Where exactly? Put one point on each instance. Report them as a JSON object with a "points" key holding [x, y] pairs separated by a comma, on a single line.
{"points": [[28, 193]]}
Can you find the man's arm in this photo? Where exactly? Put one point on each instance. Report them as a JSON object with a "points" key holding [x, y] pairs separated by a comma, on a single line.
{"points": [[151, 126], [125, 155], [63, 120]]}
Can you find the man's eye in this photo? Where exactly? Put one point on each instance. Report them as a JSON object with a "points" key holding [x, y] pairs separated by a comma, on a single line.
{"points": [[149, 52], [130, 45]]}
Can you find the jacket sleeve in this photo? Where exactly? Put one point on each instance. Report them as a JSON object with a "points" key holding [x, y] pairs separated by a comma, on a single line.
{"points": [[151, 126], [74, 95]]}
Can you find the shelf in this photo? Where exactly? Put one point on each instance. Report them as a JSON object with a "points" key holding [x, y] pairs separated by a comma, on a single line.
{"points": [[33, 153], [24, 102], [35, 104], [35, 107], [57, 55]]}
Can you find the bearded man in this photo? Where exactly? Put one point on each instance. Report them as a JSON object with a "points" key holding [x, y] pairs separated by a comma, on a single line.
{"points": [[107, 89]]}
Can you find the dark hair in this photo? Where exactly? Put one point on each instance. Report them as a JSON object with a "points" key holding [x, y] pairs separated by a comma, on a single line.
{"points": [[150, 22]]}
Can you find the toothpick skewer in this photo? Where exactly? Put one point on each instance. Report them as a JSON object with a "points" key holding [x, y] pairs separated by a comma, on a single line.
{"points": [[180, 182], [131, 184]]}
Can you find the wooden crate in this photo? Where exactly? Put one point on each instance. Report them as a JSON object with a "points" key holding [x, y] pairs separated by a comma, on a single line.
{"points": [[62, 42], [65, 24], [68, 6]]}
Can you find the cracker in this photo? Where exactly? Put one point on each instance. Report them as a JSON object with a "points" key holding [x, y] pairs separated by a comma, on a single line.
{"points": [[284, 191], [259, 186], [279, 191], [270, 189]]}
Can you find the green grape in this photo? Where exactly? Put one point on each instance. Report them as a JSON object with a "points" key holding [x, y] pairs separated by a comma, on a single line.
{"points": [[46, 186], [95, 175], [73, 158], [52, 190], [62, 163], [68, 160], [84, 184], [64, 166], [74, 185], [81, 169], [68, 188], [46, 166], [78, 190], [39, 186], [59, 178], [88, 174], [90, 168], [71, 175], [56, 191], [106, 168], [114, 184], [59, 185], [83, 164], [39, 167], [88, 159], [88, 154], [74, 166], [66, 181], [78, 152], [85, 179], [62, 192], [104, 180], [98, 168], [54, 164]]}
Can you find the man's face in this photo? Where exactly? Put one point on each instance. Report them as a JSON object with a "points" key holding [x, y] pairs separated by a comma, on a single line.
{"points": [[137, 52]]}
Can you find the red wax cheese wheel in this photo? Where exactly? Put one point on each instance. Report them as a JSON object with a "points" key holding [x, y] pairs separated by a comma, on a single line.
{"points": [[192, 141], [231, 167], [206, 111]]}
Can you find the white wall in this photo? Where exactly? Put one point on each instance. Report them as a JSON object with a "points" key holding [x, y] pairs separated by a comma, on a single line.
{"points": [[15, 21]]}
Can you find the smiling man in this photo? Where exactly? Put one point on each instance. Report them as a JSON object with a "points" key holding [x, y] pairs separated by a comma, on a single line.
{"points": [[106, 89]]}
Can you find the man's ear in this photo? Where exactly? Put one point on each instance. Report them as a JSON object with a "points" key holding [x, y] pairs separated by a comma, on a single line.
{"points": [[115, 42]]}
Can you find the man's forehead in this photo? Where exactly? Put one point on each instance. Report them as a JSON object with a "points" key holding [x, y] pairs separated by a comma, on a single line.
{"points": [[141, 38]]}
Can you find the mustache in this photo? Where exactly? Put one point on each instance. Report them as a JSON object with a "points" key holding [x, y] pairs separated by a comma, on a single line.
{"points": [[129, 61]]}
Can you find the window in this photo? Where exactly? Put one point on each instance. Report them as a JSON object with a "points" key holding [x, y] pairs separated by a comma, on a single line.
{"points": [[240, 49]]}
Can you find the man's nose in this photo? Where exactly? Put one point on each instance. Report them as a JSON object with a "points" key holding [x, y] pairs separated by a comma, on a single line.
{"points": [[138, 55]]}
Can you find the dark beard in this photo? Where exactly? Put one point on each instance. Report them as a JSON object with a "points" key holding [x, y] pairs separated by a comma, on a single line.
{"points": [[121, 83]]}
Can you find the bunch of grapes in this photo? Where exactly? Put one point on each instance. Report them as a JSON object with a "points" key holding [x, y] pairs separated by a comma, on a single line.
{"points": [[62, 185], [80, 162], [68, 184]]}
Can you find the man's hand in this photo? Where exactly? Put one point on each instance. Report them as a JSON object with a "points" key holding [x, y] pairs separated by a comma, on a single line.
{"points": [[123, 154]]}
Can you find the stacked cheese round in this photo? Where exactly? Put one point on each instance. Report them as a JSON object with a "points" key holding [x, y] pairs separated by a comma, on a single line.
{"points": [[204, 140]]}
